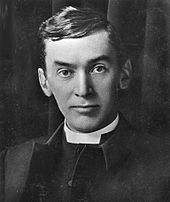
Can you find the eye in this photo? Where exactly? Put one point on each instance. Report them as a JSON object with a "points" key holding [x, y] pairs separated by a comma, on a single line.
{"points": [[98, 69], [64, 73]]}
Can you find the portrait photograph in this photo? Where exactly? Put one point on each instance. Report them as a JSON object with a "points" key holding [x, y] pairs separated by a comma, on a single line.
{"points": [[85, 100]]}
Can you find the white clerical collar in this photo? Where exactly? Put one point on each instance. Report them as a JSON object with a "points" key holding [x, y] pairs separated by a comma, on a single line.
{"points": [[88, 138]]}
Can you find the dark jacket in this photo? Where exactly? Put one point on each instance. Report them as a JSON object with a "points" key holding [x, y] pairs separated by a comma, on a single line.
{"points": [[138, 168]]}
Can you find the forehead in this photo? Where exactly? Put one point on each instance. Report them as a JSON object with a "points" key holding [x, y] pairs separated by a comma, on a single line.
{"points": [[79, 49]]}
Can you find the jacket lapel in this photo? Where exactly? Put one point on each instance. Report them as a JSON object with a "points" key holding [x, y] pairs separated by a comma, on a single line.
{"points": [[17, 164], [36, 159]]}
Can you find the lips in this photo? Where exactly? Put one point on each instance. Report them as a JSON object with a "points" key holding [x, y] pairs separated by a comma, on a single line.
{"points": [[85, 108]]}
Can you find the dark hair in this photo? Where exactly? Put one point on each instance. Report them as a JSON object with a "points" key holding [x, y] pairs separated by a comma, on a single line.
{"points": [[75, 23]]}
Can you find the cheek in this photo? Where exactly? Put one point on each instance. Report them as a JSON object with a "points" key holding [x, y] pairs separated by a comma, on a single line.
{"points": [[106, 86], [61, 101], [61, 94], [107, 91]]}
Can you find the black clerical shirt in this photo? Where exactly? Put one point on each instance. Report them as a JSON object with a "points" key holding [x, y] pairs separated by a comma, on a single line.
{"points": [[78, 172]]}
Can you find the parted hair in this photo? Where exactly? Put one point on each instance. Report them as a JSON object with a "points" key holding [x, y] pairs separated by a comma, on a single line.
{"points": [[73, 22]]}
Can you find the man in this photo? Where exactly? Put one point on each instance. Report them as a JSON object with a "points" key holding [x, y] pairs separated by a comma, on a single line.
{"points": [[95, 155]]}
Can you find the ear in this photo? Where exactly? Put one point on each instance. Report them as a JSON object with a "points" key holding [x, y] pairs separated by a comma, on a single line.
{"points": [[44, 82], [125, 75]]}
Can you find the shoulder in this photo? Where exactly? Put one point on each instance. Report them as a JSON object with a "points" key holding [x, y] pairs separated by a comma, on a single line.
{"points": [[144, 144], [24, 150], [20, 151], [153, 145], [143, 148], [148, 152], [151, 157]]}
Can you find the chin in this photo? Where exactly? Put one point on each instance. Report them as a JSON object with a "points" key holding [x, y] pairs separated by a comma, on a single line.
{"points": [[85, 127]]}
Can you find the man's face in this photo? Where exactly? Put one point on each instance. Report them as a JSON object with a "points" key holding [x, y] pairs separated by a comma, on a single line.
{"points": [[83, 75]]}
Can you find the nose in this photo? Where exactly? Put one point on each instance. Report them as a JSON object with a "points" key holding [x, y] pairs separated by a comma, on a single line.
{"points": [[83, 87]]}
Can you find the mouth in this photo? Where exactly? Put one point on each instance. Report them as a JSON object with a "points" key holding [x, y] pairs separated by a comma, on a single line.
{"points": [[85, 108]]}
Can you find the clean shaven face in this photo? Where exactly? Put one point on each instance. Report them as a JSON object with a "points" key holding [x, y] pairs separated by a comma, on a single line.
{"points": [[83, 75]]}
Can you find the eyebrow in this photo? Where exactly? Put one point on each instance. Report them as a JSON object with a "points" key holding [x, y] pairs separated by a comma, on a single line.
{"points": [[61, 63], [91, 61], [102, 57]]}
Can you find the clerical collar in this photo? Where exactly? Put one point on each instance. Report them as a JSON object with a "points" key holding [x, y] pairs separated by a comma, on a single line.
{"points": [[88, 138]]}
